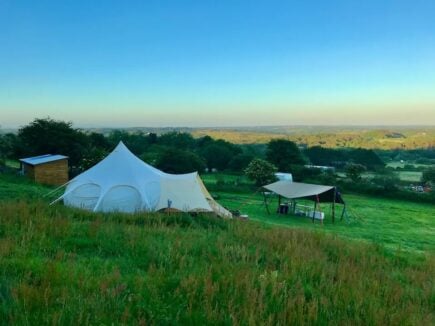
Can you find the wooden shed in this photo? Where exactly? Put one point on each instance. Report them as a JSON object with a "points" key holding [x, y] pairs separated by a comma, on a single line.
{"points": [[47, 169]]}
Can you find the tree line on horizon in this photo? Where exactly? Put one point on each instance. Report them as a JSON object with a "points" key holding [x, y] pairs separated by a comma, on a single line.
{"points": [[386, 138], [180, 152], [172, 152]]}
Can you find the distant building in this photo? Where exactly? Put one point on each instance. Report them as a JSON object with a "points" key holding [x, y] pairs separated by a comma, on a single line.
{"points": [[321, 167], [284, 176], [47, 169]]}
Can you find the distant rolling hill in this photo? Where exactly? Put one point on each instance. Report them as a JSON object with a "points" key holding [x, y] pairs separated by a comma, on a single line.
{"points": [[382, 137], [374, 137], [332, 137]]}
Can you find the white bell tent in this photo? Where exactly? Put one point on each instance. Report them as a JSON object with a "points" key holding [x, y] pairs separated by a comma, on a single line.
{"points": [[122, 182]]}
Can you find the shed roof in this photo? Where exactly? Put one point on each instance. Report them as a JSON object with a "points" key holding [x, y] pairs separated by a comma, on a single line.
{"points": [[41, 159]]}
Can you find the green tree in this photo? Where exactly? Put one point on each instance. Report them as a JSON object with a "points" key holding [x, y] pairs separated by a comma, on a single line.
{"points": [[179, 140], [240, 162], [261, 171], [48, 136], [217, 156], [219, 153], [98, 141], [152, 138], [283, 154], [325, 156], [204, 141], [91, 156], [367, 157], [2, 152], [174, 160], [9, 145], [153, 154], [137, 142], [354, 171]]}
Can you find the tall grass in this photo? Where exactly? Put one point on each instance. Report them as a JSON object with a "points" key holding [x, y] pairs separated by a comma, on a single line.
{"points": [[66, 266]]}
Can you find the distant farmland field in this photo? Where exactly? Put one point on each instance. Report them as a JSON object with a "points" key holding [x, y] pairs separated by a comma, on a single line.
{"points": [[408, 138], [410, 176]]}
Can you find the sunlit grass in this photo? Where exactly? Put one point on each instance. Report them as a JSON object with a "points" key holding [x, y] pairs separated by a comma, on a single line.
{"points": [[66, 266], [395, 224]]}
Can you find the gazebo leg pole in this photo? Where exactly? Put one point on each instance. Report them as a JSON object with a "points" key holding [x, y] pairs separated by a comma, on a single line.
{"points": [[333, 205], [343, 212], [266, 204]]}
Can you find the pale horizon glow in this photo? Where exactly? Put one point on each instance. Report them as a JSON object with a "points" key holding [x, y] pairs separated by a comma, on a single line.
{"points": [[217, 64]]}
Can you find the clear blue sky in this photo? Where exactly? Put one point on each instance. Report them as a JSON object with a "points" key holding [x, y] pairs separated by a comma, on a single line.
{"points": [[217, 63]]}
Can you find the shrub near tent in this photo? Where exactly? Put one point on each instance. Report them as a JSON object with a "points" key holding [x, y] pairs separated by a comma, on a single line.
{"points": [[261, 171], [283, 154]]}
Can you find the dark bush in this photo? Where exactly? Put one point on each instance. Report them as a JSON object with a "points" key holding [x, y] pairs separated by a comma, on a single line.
{"points": [[179, 161]]}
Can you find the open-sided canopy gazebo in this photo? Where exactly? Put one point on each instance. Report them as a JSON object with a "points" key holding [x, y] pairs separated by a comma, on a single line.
{"points": [[316, 193]]}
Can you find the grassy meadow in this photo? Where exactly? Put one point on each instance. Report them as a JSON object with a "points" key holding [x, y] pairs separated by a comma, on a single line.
{"points": [[395, 224], [407, 176], [66, 266]]}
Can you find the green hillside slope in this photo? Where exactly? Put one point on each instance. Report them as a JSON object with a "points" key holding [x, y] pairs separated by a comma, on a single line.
{"points": [[69, 267]]}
